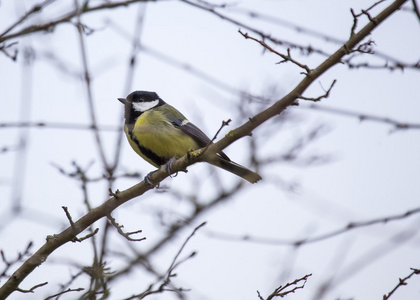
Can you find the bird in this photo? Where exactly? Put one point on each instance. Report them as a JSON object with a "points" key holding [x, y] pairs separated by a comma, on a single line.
{"points": [[159, 133]]}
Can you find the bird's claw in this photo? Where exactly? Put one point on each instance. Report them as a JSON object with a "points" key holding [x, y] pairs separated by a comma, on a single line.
{"points": [[148, 180], [169, 166]]}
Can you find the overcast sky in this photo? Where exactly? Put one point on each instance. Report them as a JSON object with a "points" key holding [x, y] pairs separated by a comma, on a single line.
{"points": [[370, 171]]}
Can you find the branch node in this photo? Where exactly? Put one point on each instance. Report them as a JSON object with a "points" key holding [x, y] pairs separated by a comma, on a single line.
{"points": [[127, 235], [288, 288], [73, 227], [114, 194], [373, 20], [224, 123], [285, 57], [31, 290], [88, 235], [325, 95]]}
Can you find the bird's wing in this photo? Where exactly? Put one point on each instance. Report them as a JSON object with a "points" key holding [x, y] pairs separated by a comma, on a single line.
{"points": [[193, 131]]}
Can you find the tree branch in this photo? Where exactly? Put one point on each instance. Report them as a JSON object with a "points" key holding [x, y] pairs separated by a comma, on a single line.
{"points": [[290, 98], [64, 292], [126, 235], [401, 282], [285, 57], [325, 95], [166, 280], [66, 18], [288, 288], [367, 117], [416, 9], [321, 237]]}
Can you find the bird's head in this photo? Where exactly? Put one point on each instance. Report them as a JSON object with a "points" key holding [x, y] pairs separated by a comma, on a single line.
{"points": [[141, 101]]}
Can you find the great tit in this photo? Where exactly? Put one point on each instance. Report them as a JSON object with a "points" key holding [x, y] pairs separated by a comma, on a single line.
{"points": [[158, 133]]}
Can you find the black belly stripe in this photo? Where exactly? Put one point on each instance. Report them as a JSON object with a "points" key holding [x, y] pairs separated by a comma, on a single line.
{"points": [[158, 160]]}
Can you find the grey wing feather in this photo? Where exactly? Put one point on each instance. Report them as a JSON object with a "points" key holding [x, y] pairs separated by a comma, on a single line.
{"points": [[199, 136]]}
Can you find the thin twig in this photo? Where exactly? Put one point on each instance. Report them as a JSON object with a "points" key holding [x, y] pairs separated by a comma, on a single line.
{"points": [[66, 18], [31, 290], [416, 9], [183, 246], [224, 123], [35, 9], [367, 117], [66, 286], [88, 235], [391, 63], [297, 243], [18, 258], [288, 288], [325, 95], [285, 57], [166, 280], [5, 49], [73, 227], [363, 12], [69, 217], [190, 68], [113, 194], [64, 292], [401, 282], [56, 125], [263, 35], [127, 235]]}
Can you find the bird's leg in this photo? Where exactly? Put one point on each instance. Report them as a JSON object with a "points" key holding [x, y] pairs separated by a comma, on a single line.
{"points": [[169, 166], [148, 180]]}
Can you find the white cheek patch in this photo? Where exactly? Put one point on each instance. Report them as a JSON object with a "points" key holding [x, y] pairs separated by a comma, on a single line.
{"points": [[143, 106]]}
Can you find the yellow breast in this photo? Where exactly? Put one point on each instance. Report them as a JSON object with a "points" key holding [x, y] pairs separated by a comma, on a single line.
{"points": [[153, 132]]}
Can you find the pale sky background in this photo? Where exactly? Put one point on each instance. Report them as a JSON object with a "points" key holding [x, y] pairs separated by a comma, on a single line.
{"points": [[373, 172]]}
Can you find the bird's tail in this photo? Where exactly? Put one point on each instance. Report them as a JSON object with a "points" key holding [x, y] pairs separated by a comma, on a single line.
{"points": [[236, 169]]}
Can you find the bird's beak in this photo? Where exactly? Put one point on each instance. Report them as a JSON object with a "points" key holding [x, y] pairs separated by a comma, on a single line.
{"points": [[123, 101]]}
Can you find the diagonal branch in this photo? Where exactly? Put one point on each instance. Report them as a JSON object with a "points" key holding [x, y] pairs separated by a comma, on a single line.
{"points": [[325, 95], [285, 57], [35, 9], [288, 288], [119, 228], [66, 18], [401, 282], [314, 74]]}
